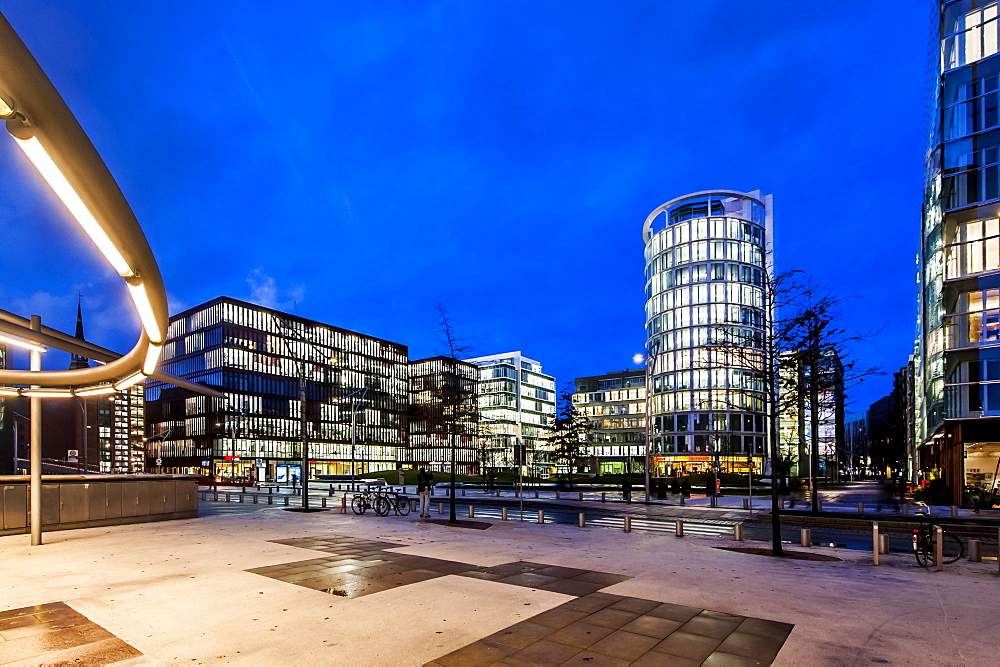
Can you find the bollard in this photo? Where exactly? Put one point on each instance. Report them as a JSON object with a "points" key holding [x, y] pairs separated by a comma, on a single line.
{"points": [[875, 542], [536, 493], [413, 504], [628, 524], [323, 501], [503, 514], [883, 544], [216, 496], [286, 501], [472, 512], [255, 499], [954, 511], [679, 528], [242, 496], [463, 493], [746, 503], [557, 495], [228, 497], [975, 553], [440, 508], [270, 499], [805, 537], [938, 548], [541, 516], [581, 495], [819, 504], [343, 503], [861, 508], [604, 497], [330, 492], [738, 532], [581, 520]]}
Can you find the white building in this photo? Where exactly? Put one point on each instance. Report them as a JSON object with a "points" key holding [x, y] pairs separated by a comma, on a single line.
{"points": [[517, 405]]}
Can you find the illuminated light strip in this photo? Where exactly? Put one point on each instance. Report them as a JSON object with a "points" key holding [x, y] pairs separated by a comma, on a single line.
{"points": [[96, 390], [47, 393], [152, 358], [50, 172], [10, 391], [146, 315], [130, 381], [26, 344]]}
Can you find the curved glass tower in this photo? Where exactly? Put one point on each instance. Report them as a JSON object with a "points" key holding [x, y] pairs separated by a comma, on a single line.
{"points": [[706, 258]]}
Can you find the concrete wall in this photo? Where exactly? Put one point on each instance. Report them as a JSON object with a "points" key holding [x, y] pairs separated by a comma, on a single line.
{"points": [[85, 501]]}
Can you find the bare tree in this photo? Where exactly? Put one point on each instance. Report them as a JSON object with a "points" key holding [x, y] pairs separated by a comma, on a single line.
{"points": [[457, 392]]}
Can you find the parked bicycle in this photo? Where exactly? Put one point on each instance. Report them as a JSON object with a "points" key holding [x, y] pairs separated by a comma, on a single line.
{"points": [[382, 501], [370, 500], [923, 541]]}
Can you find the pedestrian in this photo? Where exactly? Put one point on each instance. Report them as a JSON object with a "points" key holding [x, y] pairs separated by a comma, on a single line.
{"points": [[424, 480]]}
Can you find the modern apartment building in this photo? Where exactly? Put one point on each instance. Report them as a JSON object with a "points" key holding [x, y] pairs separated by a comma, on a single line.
{"points": [[444, 415], [957, 375], [355, 388], [517, 403], [706, 270]]}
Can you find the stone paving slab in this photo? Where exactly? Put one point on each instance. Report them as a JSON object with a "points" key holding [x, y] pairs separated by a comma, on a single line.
{"points": [[55, 633]]}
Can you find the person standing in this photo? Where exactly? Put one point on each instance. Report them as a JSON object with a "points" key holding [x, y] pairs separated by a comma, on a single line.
{"points": [[424, 481]]}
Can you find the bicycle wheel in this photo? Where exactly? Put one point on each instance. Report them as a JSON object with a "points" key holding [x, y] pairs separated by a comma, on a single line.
{"points": [[923, 551], [953, 548], [403, 505], [359, 505], [382, 506]]}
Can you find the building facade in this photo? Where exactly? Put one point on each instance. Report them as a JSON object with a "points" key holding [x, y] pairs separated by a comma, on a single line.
{"points": [[796, 419], [278, 371], [444, 415], [958, 370], [706, 269], [615, 403], [517, 403]]}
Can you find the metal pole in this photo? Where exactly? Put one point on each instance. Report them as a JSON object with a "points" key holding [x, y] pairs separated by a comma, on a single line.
{"points": [[36, 447], [520, 469], [304, 473]]}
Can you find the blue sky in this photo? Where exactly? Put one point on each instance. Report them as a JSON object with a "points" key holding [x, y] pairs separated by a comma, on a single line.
{"points": [[359, 162]]}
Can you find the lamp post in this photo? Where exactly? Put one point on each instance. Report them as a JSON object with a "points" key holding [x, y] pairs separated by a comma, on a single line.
{"points": [[356, 397], [653, 352]]}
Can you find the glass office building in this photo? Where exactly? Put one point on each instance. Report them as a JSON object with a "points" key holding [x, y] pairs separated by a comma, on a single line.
{"points": [[444, 415], [958, 371], [615, 403], [706, 264], [356, 391], [517, 405]]}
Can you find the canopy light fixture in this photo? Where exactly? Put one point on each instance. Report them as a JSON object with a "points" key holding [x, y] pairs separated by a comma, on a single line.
{"points": [[24, 344]]}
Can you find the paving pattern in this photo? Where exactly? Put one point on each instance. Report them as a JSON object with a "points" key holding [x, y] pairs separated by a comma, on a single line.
{"points": [[594, 628], [59, 633]]}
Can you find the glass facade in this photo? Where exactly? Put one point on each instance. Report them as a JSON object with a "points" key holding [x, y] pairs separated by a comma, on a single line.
{"points": [[444, 414], [958, 367], [517, 404], [616, 406], [706, 270], [258, 357]]}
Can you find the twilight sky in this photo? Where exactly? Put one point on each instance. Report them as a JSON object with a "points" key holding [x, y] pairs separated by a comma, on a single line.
{"points": [[358, 162]]}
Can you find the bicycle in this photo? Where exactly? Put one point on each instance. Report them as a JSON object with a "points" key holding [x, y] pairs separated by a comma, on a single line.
{"points": [[923, 542], [366, 500]]}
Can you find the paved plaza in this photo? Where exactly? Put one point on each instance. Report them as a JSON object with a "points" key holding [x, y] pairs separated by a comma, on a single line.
{"points": [[279, 587]]}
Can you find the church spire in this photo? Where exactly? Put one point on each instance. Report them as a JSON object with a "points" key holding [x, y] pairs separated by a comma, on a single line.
{"points": [[78, 361]]}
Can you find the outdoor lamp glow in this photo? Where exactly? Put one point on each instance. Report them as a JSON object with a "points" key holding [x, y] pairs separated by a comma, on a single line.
{"points": [[51, 138], [24, 344]]}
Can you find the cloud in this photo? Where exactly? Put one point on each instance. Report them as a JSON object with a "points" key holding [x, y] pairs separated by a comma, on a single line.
{"points": [[264, 291]]}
